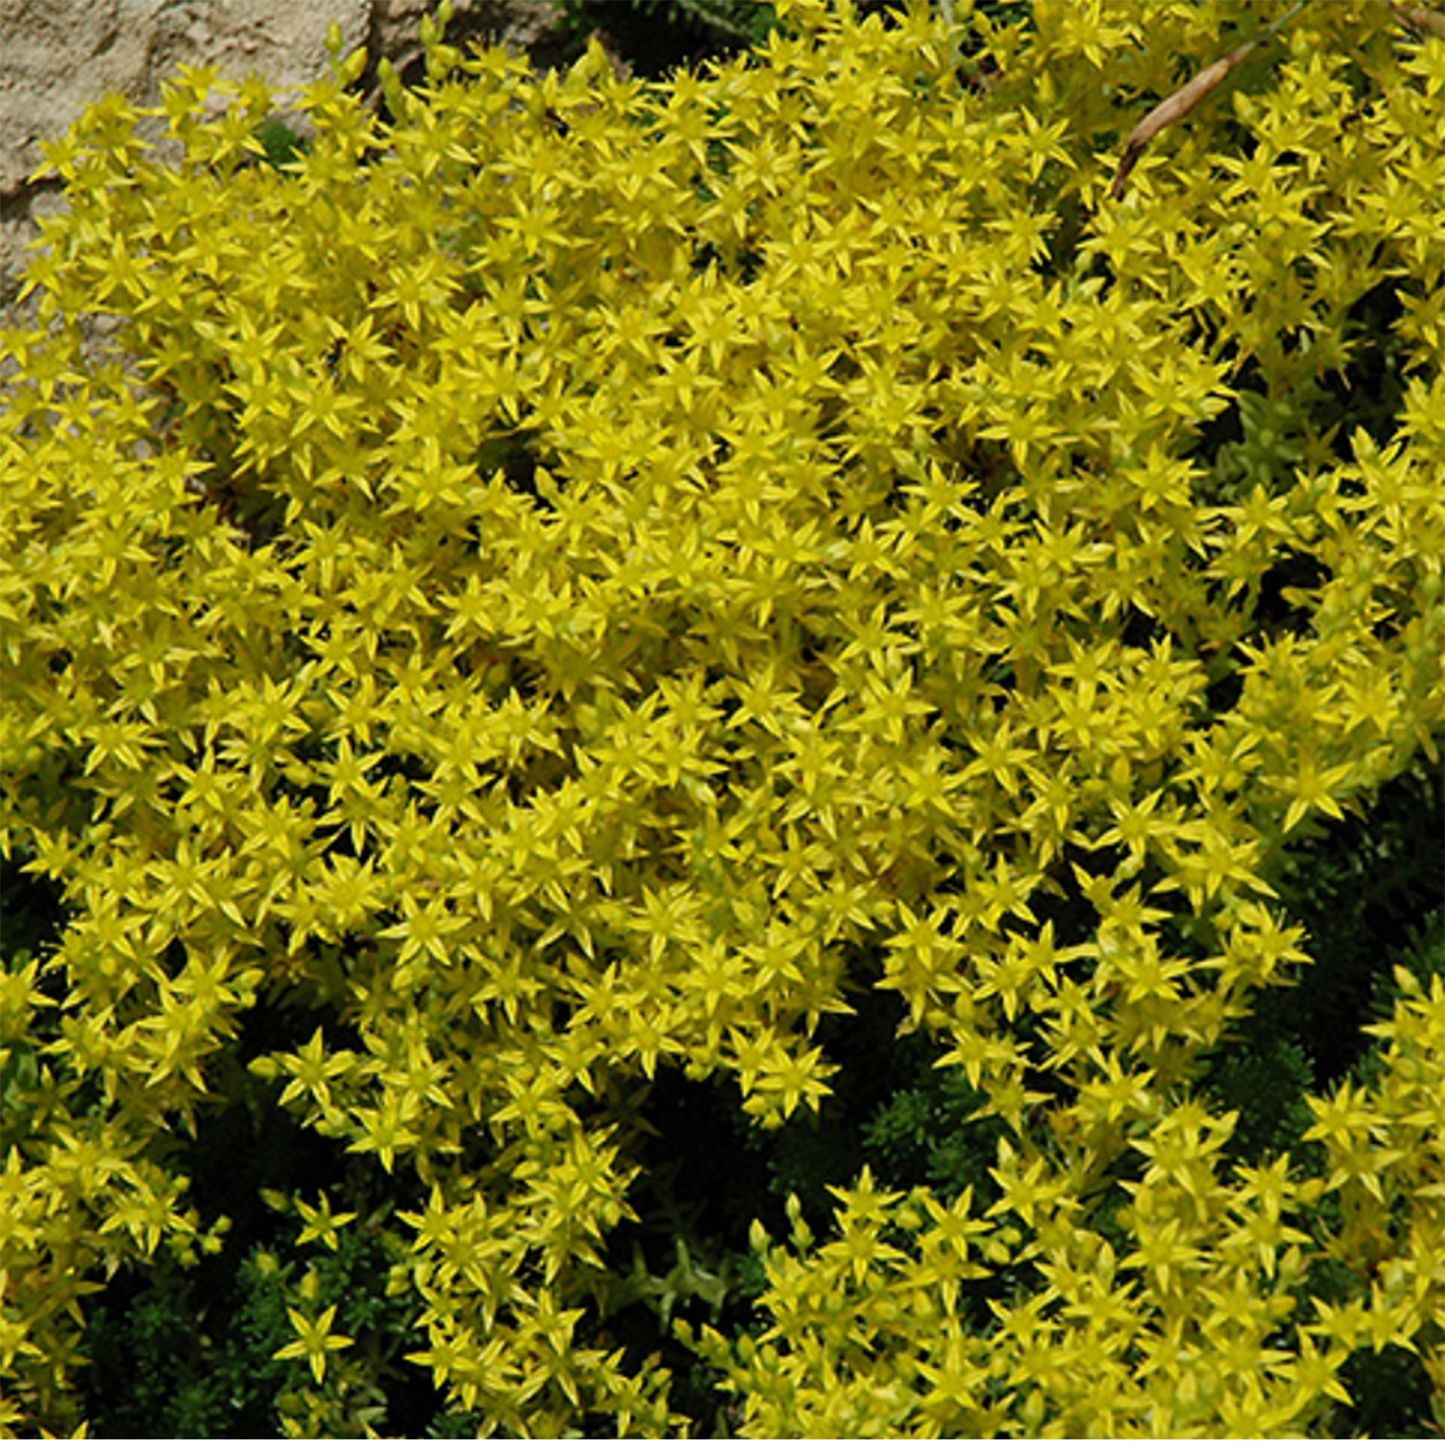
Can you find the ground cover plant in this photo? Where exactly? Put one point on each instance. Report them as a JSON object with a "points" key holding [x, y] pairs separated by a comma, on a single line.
{"points": [[756, 752]]}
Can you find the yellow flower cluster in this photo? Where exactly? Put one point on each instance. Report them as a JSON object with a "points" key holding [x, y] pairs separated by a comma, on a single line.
{"points": [[553, 580]]}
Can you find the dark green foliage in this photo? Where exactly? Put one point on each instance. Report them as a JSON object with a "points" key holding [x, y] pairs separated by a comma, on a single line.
{"points": [[189, 1352], [1367, 890], [1263, 1079], [283, 145], [656, 35], [1391, 1393], [1372, 384], [927, 1134], [169, 1360], [31, 915], [1423, 954]]}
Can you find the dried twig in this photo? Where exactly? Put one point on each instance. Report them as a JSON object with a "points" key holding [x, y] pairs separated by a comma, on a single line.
{"points": [[1418, 17], [1185, 99]]}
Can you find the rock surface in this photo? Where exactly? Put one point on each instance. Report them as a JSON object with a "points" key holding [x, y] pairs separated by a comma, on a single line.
{"points": [[59, 56]]}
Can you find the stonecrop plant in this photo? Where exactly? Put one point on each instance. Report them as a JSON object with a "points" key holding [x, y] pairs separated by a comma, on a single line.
{"points": [[578, 581]]}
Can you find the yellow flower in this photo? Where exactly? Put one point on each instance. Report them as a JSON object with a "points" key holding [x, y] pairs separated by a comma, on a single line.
{"points": [[321, 1223], [314, 1343]]}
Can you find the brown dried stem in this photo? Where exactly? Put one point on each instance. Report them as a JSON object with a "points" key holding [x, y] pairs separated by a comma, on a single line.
{"points": [[1178, 105]]}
